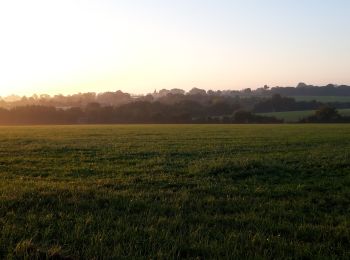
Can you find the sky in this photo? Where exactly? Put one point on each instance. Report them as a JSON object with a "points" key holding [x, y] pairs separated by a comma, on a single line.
{"points": [[71, 46]]}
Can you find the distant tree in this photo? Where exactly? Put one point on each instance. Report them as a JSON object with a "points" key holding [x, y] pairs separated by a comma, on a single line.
{"points": [[197, 91], [163, 92], [177, 91], [247, 91], [148, 98], [45, 96], [4, 116], [246, 117], [302, 85], [113, 98], [2, 103], [326, 113], [211, 92], [242, 116]]}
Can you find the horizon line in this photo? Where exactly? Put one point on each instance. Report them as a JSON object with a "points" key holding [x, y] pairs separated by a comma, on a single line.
{"points": [[151, 92]]}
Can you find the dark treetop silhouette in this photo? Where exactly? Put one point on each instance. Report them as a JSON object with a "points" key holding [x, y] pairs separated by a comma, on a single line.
{"points": [[170, 106]]}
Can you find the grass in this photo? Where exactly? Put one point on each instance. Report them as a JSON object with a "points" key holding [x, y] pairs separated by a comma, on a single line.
{"points": [[224, 192], [295, 116], [325, 99]]}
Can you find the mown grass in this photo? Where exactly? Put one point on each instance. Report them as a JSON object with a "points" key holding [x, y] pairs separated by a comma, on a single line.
{"points": [[168, 192], [295, 116]]}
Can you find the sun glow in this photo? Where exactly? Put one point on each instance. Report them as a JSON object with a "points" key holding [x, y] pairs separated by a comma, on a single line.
{"points": [[70, 46]]}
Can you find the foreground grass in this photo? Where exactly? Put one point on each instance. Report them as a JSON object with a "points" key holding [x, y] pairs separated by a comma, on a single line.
{"points": [[295, 116], [89, 192]]}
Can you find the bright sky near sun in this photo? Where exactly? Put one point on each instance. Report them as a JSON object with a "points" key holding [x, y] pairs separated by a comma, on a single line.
{"points": [[69, 46]]}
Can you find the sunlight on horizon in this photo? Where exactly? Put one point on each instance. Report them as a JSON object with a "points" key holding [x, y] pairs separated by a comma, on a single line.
{"points": [[80, 46]]}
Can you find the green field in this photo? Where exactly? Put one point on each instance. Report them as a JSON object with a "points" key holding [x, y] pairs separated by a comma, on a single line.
{"points": [[169, 192], [325, 99], [295, 116]]}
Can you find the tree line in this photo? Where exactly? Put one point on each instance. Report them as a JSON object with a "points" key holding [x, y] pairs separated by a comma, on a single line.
{"points": [[164, 106], [119, 98], [326, 114], [152, 112], [136, 112]]}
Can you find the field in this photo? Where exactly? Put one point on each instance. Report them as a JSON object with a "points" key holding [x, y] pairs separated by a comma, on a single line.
{"points": [[295, 116], [325, 99], [169, 192]]}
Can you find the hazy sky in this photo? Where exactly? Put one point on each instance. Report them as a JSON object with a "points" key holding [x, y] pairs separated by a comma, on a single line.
{"points": [[68, 46]]}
